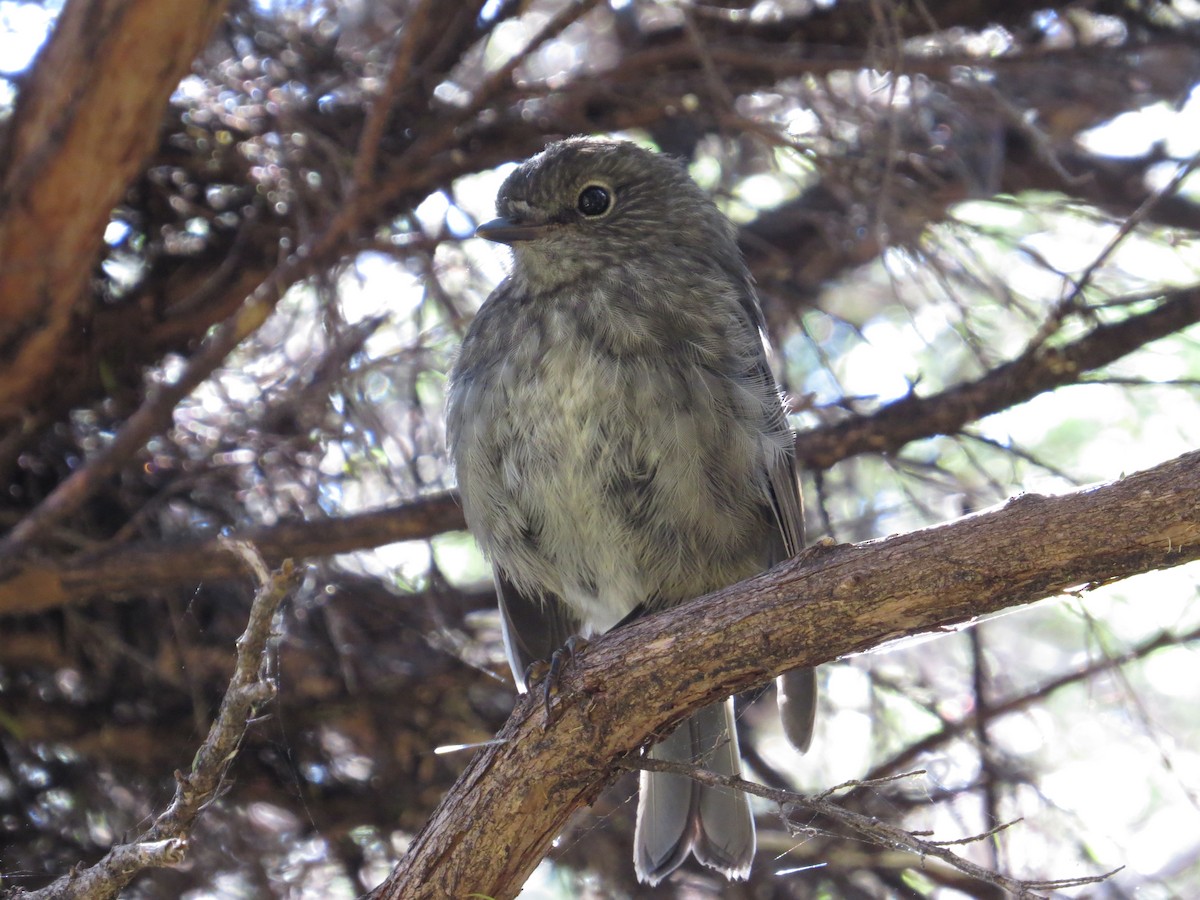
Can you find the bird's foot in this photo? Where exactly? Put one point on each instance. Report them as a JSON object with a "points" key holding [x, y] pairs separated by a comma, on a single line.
{"points": [[549, 673]]}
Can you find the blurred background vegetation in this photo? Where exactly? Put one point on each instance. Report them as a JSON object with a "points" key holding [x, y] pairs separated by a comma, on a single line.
{"points": [[935, 197]]}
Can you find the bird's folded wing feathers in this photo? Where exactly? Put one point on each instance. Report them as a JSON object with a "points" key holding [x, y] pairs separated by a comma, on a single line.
{"points": [[533, 627]]}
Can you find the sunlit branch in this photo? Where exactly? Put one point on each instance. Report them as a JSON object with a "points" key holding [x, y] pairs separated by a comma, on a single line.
{"points": [[495, 826]]}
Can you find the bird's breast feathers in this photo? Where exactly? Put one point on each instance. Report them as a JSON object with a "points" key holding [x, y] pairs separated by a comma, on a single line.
{"points": [[619, 477]]}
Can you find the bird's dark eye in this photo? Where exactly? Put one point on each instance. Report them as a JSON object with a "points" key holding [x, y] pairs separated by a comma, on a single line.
{"points": [[594, 200]]}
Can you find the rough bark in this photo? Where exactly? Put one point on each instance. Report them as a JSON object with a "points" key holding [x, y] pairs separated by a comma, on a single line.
{"points": [[497, 823], [79, 136]]}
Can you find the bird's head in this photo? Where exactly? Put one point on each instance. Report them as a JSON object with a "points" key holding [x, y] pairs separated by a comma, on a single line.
{"points": [[585, 204]]}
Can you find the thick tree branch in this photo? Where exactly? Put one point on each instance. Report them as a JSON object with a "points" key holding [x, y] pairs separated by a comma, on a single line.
{"points": [[494, 827], [79, 136]]}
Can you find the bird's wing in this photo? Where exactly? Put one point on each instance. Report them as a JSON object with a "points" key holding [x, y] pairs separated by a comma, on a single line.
{"points": [[781, 468], [785, 495], [533, 627], [796, 690]]}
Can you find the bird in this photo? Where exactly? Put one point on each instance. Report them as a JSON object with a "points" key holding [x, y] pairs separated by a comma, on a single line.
{"points": [[621, 445]]}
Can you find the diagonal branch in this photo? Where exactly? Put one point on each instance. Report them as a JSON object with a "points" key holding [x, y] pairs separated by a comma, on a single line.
{"points": [[153, 416], [81, 132], [166, 842], [1037, 370], [955, 728], [515, 796]]}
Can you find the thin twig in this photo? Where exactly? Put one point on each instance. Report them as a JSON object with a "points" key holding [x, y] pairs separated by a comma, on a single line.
{"points": [[1068, 303], [166, 842], [152, 417], [958, 727], [872, 829], [1038, 369], [381, 109]]}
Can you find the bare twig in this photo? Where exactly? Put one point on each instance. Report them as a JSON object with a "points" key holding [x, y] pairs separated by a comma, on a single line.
{"points": [[150, 418], [1070, 302], [166, 842], [958, 727], [1038, 369], [381, 108], [869, 828]]}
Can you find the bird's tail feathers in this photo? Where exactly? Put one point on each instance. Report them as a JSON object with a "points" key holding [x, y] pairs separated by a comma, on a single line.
{"points": [[677, 816]]}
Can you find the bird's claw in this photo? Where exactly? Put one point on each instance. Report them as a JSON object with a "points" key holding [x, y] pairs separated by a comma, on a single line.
{"points": [[549, 673]]}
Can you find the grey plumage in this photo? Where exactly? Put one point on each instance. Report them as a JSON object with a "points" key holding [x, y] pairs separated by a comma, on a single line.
{"points": [[620, 443]]}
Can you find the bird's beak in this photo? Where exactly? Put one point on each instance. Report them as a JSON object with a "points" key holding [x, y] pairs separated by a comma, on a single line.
{"points": [[507, 231]]}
